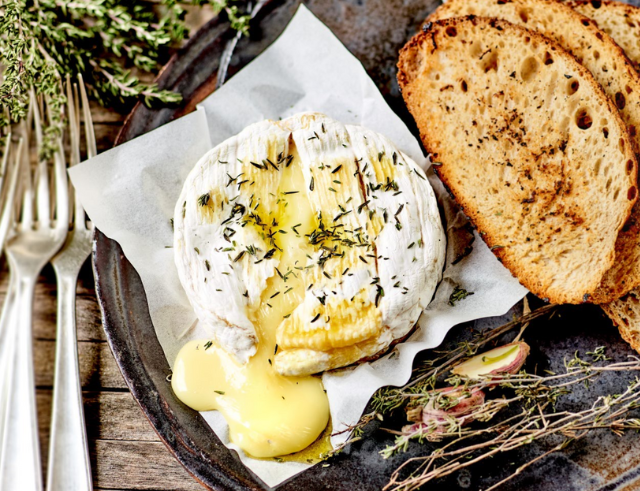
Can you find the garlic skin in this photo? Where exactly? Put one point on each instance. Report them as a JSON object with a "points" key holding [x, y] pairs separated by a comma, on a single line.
{"points": [[506, 359], [436, 419]]}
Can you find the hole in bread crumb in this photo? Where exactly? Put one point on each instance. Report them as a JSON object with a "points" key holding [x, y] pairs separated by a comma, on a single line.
{"points": [[628, 89], [621, 144], [599, 35], [490, 62], [596, 54], [547, 59], [596, 4], [605, 132], [596, 167], [616, 194], [583, 119], [475, 50], [632, 130], [629, 166], [632, 193], [528, 68], [608, 185], [585, 22], [572, 87], [524, 16], [451, 31], [630, 24], [620, 100], [527, 40], [463, 85], [413, 65]]}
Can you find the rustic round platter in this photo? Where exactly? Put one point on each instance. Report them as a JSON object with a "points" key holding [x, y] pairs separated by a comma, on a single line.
{"points": [[374, 31]]}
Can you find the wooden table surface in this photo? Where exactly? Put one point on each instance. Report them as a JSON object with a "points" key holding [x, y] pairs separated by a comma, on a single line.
{"points": [[126, 453]]}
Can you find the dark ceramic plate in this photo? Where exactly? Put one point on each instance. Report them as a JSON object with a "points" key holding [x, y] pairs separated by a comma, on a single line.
{"points": [[374, 31]]}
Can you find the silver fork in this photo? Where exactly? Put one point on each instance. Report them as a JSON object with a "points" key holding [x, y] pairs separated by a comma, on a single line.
{"points": [[69, 466], [33, 241], [10, 167]]}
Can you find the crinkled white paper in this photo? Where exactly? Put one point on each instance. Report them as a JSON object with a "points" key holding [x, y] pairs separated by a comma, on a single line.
{"points": [[130, 192]]}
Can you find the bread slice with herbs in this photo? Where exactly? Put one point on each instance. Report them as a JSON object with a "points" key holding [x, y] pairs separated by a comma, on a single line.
{"points": [[606, 61], [530, 146]]}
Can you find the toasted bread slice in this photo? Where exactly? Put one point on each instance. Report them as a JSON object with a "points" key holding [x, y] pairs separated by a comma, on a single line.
{"points": [[619, 20], [625, 313], [612, 70], [529, 144]]}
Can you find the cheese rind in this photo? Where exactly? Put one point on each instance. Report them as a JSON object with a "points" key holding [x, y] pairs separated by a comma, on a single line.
{"points": [[373, 249]]}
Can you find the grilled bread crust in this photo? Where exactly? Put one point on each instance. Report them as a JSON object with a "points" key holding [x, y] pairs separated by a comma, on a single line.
{"points": [[625, 313], [530, 146], [611, 68]]}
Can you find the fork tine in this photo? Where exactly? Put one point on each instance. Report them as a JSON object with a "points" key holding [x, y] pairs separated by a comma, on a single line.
{"points": [[5, 160], [26, 208], [74, 130], [90, 140], [74, 133], [61, 188], [43, 197], [6, 216], [88, 121]]}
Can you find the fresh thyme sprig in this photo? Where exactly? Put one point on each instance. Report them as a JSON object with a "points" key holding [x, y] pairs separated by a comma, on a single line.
{"points": [[238, 20], [106, 41], [534, 422]]}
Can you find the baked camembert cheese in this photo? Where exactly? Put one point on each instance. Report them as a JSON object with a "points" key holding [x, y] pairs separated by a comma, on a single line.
{"points": [[303, 245]]}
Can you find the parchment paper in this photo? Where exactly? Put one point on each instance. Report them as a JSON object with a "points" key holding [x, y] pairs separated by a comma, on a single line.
{"points": [[130, 192]]}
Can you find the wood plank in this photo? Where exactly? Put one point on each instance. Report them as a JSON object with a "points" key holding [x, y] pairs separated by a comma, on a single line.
{"points": [[98, 368], [105, 135], [138, 465], [126, 420], [102, 115], [88, 317]]}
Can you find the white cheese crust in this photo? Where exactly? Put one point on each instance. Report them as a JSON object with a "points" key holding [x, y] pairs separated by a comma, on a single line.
{"points": [[390, 199]]}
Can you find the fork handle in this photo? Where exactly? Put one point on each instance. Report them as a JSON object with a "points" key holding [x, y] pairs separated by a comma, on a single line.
{"points": [[69, 467], [20, 461], [6, 347]]}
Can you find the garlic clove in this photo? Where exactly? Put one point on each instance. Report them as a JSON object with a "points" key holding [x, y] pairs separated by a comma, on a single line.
{"points": [[505, 359], [459, 402], [444, 406]]}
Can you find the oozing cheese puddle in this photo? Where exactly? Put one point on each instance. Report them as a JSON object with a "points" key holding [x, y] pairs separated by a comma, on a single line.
{"points": [[268, 414]]}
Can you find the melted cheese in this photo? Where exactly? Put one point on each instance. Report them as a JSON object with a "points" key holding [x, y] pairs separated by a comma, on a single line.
{"points": [[268, 414]]}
